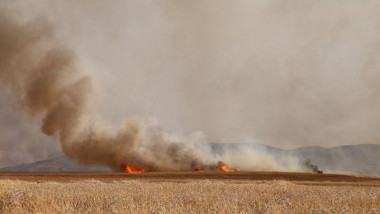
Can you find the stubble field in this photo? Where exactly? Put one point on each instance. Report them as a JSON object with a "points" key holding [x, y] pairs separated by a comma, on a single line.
{"points": [[188, 192]]}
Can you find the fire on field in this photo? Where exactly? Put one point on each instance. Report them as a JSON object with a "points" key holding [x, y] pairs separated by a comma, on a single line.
{"points": [[220, 167]]}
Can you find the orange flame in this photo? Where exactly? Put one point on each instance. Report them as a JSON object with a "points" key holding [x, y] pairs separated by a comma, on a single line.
{"points": [[129, 169], [223, 167]]}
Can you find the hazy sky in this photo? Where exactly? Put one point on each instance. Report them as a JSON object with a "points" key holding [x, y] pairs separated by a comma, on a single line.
{"points": [[283, 73]]}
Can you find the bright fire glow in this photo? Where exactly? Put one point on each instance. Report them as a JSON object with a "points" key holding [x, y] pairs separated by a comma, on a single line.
{"points": [[223, 167], [129, 169]]}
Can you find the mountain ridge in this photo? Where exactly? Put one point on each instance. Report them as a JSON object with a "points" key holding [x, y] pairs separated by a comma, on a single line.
{"points": [[361, 159]]}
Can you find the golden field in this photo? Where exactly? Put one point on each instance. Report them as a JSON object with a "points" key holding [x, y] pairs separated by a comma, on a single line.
{"points": [[137, 194]]}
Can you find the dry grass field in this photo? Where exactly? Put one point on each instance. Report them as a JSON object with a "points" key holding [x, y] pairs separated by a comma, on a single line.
{"points": [[188, 193]]}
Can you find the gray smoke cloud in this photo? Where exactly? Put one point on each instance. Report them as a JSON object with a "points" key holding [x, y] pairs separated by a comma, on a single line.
{"points": [[20, 138], [47, 84], [286, 74]]}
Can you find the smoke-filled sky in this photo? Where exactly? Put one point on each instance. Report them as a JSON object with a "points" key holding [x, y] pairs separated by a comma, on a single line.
{"points": [[283, 73]]}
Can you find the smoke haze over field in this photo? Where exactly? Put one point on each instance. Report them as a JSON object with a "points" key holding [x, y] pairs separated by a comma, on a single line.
{"points": [[287, 74], [46, 82]]}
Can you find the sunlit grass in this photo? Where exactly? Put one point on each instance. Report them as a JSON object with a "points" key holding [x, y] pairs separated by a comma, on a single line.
{"points": [[191, 196]]}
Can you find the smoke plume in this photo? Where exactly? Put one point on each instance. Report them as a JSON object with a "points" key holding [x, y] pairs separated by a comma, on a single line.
{"points": [[285, 74], [45, 79]]}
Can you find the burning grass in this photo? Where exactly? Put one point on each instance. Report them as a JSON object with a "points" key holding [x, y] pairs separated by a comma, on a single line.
{"points": [[133, 170], [224, 168], [190, 196], [211, 168]]}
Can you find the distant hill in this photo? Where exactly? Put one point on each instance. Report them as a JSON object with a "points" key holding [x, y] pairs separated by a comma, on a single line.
{"points": [[56, 164], [363, 159], [353, 159]]}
